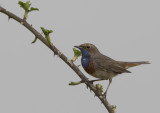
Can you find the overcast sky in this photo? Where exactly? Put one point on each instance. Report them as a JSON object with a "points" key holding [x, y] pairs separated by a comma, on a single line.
{"points": [[32, 80]]}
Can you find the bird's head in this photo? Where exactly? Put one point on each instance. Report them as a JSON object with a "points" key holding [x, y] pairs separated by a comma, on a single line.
{"points": [[87, 49]]}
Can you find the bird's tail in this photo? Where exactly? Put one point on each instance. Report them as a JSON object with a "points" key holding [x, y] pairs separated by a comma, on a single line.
{"points": [[131, 64]]}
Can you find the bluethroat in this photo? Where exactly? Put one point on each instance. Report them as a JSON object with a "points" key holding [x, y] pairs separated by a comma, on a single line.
{"points": [[100, 66]]}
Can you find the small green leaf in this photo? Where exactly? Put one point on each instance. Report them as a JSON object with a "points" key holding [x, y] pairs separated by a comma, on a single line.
{"points": [[99, 87], [46, 33], [77, 53], [34, 40], [75, 83], [25, 6], [22, 4], [33, 9]]}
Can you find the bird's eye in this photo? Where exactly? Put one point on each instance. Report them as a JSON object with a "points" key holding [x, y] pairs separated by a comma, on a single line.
{"points": [[88, 47]]}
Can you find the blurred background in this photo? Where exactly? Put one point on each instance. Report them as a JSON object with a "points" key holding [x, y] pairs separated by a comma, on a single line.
{"points": [[33, 80]]}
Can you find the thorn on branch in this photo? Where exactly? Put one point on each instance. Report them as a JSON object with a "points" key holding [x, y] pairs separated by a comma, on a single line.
{"points": [[87, 85], [55, 54], [58, 54]]}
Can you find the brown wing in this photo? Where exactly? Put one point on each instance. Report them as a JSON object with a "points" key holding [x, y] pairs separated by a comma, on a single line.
{"points": [[116, 67], [107, 64]]}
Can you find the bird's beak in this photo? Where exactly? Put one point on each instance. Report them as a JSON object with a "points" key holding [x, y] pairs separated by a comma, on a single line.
{"points": [[79, 47]]}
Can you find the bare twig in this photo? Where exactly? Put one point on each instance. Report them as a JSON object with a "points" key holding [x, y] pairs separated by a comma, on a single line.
{"points": [[62, 56]]}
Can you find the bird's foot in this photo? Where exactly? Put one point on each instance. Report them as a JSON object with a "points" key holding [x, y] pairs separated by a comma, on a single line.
{"points": [[91, 81]]}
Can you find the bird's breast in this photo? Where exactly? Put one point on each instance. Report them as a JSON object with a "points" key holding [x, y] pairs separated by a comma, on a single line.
{"points": [[88, 66], [85, 62]]}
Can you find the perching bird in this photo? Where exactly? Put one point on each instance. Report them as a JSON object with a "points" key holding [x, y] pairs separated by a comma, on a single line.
{"points": [[100, 66]]}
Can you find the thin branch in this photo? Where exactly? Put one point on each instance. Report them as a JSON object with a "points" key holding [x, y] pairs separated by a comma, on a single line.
{"points": [[62, 56]]}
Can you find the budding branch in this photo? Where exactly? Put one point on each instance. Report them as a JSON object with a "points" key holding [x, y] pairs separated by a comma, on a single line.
{"points": [[53, 48]]}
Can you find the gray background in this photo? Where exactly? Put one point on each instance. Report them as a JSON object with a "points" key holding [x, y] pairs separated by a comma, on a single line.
{"points": [[32, 80]]}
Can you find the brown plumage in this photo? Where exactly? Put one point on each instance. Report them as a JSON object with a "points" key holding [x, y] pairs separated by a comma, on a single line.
{"points": [[101, 66]]}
